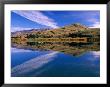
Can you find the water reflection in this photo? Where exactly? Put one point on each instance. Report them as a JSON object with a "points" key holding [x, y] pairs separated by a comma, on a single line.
{"points": [[47, 59], [53, 63], [72, 48], [33, 64]]}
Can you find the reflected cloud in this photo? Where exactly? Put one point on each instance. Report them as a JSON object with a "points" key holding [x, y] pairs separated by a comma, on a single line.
{"points": [[15, 50], [33, 64], [96, 54]]}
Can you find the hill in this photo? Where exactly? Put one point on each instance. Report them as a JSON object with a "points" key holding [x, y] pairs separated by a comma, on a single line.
{"points": [[73, 30]]}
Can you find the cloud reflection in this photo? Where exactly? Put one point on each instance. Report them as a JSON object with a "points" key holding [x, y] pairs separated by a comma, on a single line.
{"points": [[33, 64], [96, 54], [15, 50]]}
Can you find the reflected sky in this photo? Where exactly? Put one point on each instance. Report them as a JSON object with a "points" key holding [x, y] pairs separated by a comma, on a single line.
{"points": [[33, 64], [53, 63]]}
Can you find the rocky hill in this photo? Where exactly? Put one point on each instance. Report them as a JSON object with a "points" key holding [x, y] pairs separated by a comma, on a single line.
{"points": [[63, 32]]}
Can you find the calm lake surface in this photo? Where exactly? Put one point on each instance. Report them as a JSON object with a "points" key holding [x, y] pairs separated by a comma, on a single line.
{"points": [[43, 63]]}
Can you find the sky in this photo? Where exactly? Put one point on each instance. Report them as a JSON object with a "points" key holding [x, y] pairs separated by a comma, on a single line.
{"points": [[33, 19]]}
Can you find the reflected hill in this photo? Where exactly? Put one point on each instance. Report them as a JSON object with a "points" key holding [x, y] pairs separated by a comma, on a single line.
{"points": [[72, 48]]}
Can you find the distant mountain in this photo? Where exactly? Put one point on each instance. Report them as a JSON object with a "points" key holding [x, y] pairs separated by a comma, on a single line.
{"points": [[17, 33]]}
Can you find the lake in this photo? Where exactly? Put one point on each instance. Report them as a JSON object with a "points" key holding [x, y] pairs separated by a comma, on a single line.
{"points": [[58, 62]]}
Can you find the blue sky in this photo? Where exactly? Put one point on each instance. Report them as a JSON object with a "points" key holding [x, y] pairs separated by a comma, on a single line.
{"points": [[32, 19]]}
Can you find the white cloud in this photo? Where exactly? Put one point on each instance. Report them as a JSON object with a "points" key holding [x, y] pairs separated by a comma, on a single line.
{"points": [[92, 17], [37, 17], [13, 29], [95, 25]]}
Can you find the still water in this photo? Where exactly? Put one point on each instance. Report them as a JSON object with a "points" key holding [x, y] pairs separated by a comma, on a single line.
{"points": [[48, 63]]}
